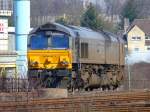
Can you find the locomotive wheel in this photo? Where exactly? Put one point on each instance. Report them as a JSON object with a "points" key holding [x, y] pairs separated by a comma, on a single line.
{"points": [[54, 82], [34, 80], [44, 79]]}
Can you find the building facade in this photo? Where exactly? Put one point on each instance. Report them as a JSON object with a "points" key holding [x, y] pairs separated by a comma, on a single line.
{"points": [[6, 4], [7, 42]]}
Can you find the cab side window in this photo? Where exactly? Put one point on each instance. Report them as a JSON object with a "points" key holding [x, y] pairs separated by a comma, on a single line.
{"points": [[84, 50]]}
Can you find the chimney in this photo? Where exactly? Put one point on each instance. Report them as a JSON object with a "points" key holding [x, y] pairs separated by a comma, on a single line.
{"points": [[86, 3], [126, 25]]}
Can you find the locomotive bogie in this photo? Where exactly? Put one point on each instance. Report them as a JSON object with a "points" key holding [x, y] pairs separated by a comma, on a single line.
{"points": [[99, 76]]}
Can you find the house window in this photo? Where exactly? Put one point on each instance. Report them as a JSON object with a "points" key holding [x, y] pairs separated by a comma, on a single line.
{"points": [[136, 38], [133, 38], [148, 48], [147, 38], [136, 49]]}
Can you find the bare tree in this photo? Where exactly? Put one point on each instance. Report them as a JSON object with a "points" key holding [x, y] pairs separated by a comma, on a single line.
{"points": [[56, 8], [143, 8], [114, 6]]}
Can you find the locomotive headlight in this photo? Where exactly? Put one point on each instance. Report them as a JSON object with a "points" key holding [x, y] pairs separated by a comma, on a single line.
{"points": [[64, 61], [34, 63]]}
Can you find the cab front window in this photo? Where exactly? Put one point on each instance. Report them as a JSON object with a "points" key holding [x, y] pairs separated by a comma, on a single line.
{"points": [[60, 42], [38, 42], [41, 41]]}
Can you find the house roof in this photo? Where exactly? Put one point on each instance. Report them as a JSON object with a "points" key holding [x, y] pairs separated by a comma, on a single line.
{"points": [[143, 24]]}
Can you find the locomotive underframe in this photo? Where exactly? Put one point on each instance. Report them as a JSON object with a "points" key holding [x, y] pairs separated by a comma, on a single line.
{"points": [[57, 78], [83, 76]]}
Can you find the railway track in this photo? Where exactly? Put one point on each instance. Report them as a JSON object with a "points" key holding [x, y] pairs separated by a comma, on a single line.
{"points": [[133, 101]]}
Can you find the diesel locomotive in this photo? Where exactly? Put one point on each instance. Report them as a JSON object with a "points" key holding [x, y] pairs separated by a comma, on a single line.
{"points": [[75, 57]]}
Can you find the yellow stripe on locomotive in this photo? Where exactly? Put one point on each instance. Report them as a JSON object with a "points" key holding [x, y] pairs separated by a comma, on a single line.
{"points": [[50, 59]]}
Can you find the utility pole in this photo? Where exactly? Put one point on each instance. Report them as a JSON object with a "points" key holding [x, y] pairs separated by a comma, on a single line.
{"points": [[22, 28], [129, 73]]}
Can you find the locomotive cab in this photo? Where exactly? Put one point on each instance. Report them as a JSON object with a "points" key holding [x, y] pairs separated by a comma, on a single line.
{"points": [[49, 56], [49, 52]]}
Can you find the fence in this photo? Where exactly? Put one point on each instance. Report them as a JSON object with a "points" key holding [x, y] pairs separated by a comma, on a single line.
{"points": [[9, 85], [17, 89], [136, 84], [12, 85]]}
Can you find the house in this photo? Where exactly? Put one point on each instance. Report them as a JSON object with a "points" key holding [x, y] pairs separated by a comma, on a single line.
{"points": [[138, 36]]}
